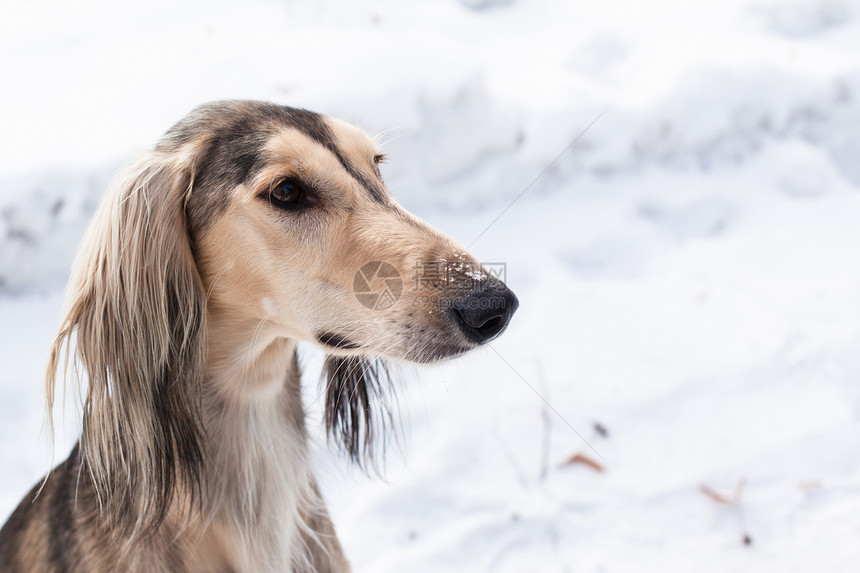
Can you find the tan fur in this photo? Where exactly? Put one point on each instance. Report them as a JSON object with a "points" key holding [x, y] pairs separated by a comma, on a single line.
{"points": [[184, 308], [322, 256]]}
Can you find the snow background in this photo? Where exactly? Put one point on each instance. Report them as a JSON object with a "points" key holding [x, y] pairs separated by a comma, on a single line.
{"points": [[688, 271]]}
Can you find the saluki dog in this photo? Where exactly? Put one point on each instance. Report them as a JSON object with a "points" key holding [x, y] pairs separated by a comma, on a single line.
{"points": [[249, 227]]}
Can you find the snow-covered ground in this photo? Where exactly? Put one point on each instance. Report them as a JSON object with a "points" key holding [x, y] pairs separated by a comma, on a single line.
{"points": [[688, 271]]}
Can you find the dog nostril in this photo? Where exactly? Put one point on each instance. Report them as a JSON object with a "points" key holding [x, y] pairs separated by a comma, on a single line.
{"points": [[491, 325], [484, 314]]}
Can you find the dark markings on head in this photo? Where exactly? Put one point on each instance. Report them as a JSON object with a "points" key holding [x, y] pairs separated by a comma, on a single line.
{"points": [[234, 135], [315, 126]]}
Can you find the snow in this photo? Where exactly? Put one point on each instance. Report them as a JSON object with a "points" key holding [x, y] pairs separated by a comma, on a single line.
{"points": [[686, 269]]}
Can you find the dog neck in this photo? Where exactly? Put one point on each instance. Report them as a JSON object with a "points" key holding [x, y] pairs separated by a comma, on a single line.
{"points": [[257, 473]]}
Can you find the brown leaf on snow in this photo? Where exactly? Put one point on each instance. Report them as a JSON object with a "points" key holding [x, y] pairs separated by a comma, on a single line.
{"points": [[809, 485], [722, 498], [583, 459]]}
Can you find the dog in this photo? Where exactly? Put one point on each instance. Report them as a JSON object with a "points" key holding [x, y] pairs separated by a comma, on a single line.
{"points": [[250, 226]]}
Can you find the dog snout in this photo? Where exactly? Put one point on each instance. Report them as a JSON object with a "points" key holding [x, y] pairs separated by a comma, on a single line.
{"points": [[483, 314]]}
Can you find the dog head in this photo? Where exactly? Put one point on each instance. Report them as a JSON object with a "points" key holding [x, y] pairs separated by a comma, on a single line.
{"points": [[264, 215], [292, 224]]}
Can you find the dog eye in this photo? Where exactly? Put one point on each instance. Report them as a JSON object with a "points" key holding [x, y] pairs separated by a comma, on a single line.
{"points": [[287, 194]]}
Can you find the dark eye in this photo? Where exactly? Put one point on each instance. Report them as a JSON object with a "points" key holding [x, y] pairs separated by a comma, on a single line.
{"points": [[287, 194]]}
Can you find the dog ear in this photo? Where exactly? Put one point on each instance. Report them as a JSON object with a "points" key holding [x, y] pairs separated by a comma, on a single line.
{"points": [[358, 410], [136, 307]]}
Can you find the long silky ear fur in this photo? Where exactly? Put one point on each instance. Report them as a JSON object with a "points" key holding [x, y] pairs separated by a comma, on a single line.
{"points": [[135, 307], [358, 411]]}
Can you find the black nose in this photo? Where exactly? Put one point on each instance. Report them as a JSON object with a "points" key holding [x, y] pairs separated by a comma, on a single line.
{"points": [[484, 313]]}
